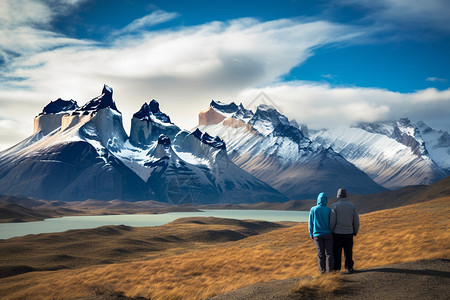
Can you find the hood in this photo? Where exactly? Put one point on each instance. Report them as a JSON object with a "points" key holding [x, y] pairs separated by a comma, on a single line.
{"points": [[322, 199]]}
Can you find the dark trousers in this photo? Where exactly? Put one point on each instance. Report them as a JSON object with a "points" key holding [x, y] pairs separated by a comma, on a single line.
{"points": [[324, 246], [343, 241]]}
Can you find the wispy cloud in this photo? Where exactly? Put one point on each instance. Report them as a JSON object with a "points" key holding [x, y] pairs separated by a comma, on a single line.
{"points": [[405, 14], [155, 18], [329, 76], [183, 68], [19, 12], [436, 79], [25, 30], [325, 106]]}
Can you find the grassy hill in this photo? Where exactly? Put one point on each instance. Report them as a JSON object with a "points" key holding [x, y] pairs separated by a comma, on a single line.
{"points": [[409, 233], [115, 244]]}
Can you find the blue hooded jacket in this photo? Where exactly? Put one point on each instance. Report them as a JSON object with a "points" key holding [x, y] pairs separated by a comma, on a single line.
{"points": [[319, 217]]}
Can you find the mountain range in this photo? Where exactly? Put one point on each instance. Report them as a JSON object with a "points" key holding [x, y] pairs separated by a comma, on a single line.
{"points": [[266, 144], [234, 155], [365, 158], [394, 153], [79, 153]]}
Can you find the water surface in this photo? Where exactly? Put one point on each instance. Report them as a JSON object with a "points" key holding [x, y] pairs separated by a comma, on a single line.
{"points": [[8, 230]]}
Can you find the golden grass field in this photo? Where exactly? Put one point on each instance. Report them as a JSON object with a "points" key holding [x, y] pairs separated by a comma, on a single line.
{"points": [[418, 231]]}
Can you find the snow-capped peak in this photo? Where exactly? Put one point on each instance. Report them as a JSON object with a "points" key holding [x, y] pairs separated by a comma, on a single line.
{"points": [[243, 114], [103, 101], [163, 140], [207, 139], [58, 106], [223, 108], [394, 153], [148, 123], [50, 117], [151, 112], [402, 130], [264, 120], [143, 113], [267, 118], [437, 143]]}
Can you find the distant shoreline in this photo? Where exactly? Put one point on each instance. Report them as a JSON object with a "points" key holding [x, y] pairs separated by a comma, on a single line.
{"points": [[67, 223], [24, 209], [18, 210]]}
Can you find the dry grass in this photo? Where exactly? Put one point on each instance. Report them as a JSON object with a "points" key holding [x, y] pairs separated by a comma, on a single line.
{"points": [[327, 283], [391, 236], [119, 244]]}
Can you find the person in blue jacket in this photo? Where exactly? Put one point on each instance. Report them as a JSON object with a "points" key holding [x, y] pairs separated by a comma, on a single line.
{"points": [[320, 231]]}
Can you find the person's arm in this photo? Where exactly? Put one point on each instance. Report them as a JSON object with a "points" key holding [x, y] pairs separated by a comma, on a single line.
{"points": [[332, 219], [355, 222], [311, 223]]}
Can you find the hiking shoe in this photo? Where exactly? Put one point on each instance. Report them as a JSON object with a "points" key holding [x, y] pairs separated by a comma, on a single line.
{"points": [[351, 271]]}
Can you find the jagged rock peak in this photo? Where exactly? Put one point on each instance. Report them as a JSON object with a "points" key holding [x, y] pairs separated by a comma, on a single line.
{"points": [[143, 113], [154, 106], [163, 140], [392, 129], [229, 110], [58, 106], [269, 114], [198, 134], [304, 129], [152, 109], [243, 114], [424, 127], [103, 101], [294, 123], [207, 139], [404, 122], [223, 107]]}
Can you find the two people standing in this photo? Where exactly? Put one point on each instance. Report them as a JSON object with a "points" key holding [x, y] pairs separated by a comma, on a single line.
{"points": [[332, 230]]}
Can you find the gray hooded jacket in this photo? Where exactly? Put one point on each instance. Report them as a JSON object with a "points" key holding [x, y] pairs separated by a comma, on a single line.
{"points": [[344, 219]]}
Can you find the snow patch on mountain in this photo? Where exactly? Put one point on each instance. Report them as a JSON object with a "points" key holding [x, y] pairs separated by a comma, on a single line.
{"points": [[437, 143], [87, 154], [392, 153], [269, 146], [424, 141], [149, 123], [58, 106]]}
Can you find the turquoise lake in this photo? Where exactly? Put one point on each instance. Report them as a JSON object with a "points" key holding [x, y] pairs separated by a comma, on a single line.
{"points": [[9, 230]]}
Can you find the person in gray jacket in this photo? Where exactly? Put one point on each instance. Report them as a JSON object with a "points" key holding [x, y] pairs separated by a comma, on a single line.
{"points": [[344, 222]]}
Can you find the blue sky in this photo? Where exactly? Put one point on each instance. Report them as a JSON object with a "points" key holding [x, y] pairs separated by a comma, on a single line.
{"points": [[325, 63]]}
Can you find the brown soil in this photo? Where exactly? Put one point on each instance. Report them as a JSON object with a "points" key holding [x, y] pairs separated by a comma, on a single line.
{"points": [[423, 279]]}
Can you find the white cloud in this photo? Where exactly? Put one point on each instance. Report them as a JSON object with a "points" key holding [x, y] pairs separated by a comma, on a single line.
{"points": [[436, 79], [155, 18], [427, 14], [24, 29], [329, 76], [19, 12], [183, 69], [325, 106]]}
